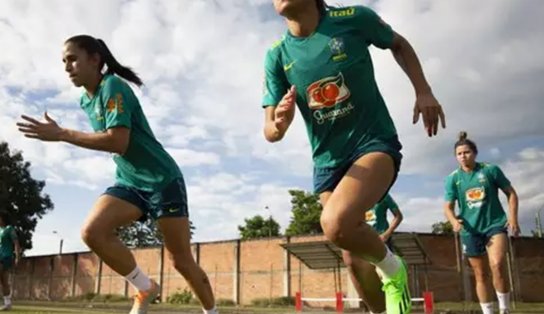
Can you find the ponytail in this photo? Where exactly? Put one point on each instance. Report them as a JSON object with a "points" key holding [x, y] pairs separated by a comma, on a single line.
{"points": [[463, 140], [94, 45], [321, 6]]}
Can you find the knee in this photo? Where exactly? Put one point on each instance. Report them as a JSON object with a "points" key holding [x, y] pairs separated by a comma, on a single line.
{"points": [[497, 268], [337, 227], [481, 275], [92, 235], [182, 263], [348, 260], [332, 229]]}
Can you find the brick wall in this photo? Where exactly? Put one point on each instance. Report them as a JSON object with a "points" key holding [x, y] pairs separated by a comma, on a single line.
{"points": [[245, 270]]}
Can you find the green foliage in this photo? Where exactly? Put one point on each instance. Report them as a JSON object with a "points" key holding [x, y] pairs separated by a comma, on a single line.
{"points": [[225, 302], [183, 297], [273, 302], [306, 212], [258, 227], [442, 227], [21, 196], [143, 234]]}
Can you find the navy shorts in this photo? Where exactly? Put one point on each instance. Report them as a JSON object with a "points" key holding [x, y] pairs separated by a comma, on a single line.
{"points": [[326, 179], [474, 244], [171, 201], [6, 262]]}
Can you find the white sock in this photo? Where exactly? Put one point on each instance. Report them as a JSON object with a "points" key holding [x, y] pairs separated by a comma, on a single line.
{"points": [[7, 300], [487, 308], [389, 266], [504, 300], [212, 311], [138, 280]]}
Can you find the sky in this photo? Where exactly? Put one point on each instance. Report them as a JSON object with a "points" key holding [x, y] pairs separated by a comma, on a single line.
{"points": [[202, 65]]}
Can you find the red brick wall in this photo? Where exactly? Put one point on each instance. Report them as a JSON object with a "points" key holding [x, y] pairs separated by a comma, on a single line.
{"points": [[262, 269]]}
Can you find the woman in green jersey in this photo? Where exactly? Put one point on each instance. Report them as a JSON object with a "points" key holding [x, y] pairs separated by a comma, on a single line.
{"points": [[148, 180], [323, 66], [10, 252], [482, 222]]}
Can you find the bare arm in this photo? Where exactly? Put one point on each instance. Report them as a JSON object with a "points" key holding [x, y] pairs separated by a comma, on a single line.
{"points": [[17, 249], [406, 57], [114, 140], [271, 132], [278, 118], [426, 104], [449, 211], [397, 219], [513, 204]]}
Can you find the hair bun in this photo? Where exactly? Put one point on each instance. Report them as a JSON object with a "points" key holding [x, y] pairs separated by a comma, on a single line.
{"points": [[462, 135]]}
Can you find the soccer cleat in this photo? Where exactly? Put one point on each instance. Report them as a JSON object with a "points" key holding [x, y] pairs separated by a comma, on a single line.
{"points": [[143, 298], [397, 292], [6, 307]]}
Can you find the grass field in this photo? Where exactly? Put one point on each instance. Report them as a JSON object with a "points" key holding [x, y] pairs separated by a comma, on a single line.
{"points": [[122, 307]]}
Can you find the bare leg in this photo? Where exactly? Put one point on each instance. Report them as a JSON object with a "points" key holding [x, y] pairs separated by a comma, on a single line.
{"points": [[177, 237]]}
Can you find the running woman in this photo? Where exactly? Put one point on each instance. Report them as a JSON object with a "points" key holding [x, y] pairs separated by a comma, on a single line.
{"points": [[148, 181], [371, 288], [323, 65], [10, 253], [482, 222]]}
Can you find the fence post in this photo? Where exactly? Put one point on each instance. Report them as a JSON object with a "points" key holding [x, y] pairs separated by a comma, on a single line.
{"points": [[99, 277], [74, 274], [50, 281]]}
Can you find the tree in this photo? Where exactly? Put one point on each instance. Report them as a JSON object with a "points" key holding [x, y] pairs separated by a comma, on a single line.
{"points": [[306, 212], [258, 227], [21, 196], [142, 234], [442, 227]]}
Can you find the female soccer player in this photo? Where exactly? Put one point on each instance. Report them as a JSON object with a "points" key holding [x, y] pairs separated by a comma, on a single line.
{"points": [[482, 220], [148, 181], [10, 252], [323, 65]]}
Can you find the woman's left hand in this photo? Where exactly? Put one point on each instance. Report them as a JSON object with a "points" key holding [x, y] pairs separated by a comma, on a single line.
{"points": [[428, 107]]}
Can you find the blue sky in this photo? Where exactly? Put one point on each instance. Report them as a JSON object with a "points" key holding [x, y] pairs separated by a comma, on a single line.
{"points": [[202, 65]]}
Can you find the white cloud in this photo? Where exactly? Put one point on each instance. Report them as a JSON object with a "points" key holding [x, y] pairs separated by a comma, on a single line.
{"points": [[203, 85]]}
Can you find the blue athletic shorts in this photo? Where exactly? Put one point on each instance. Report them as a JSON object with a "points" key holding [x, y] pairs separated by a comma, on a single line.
{"points": [[326, 179], [169, 202], [474, 244]]}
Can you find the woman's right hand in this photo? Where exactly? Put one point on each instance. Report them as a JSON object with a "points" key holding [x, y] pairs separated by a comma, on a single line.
{"points": [[285, 110], [457, 225]]}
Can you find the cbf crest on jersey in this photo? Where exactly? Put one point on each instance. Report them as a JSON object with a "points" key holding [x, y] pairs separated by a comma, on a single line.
{"points": [[481, 177], [336, 44], [99, 111]]}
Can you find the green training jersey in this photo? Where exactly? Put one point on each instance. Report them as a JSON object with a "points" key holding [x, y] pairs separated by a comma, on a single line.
{"points": [[7, 237], [336, 92], [376, 217], [146, 165], [476, 193]]}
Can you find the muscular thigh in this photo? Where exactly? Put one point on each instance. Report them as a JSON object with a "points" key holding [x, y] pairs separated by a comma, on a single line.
{"points": [[109, 213], [363, 185]]}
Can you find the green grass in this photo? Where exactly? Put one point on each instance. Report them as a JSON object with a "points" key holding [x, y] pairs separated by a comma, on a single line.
{"points": [[123, 307]]}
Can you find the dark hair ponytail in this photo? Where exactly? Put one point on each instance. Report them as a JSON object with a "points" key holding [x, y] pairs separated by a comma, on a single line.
{"points": [[321, 6], [6, 219], [463, 140], [94, 45]]}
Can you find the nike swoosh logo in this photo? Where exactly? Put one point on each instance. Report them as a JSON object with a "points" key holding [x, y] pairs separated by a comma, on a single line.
{"points": [[287, 67], [173, 210]]}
